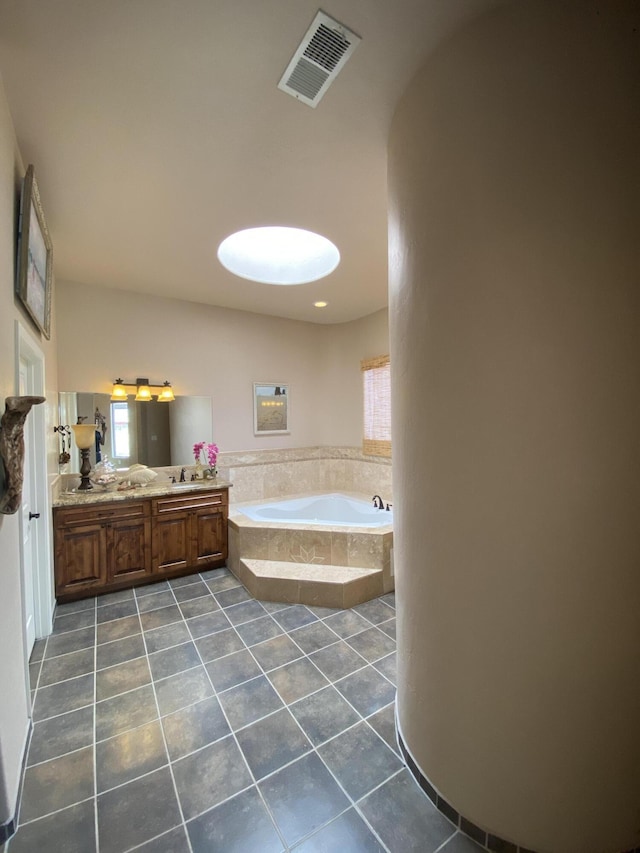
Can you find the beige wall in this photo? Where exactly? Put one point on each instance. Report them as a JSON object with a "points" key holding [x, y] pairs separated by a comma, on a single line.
{"points": [[515, 310], [14, 705], [205, 350]]}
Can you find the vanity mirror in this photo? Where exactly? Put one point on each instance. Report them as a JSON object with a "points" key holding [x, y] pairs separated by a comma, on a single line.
{"points": [[153, 434]]}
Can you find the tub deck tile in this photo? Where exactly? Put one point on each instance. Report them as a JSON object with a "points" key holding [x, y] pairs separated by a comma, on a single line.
{"points": [[309, 583]]}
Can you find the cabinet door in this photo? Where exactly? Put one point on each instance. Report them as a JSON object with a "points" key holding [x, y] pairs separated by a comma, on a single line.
{"points": [[129, 549], [171, 542], [80, 557], [209, 529]]}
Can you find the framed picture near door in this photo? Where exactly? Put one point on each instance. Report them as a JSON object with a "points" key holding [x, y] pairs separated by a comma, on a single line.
{"points": [[270, 408], [35, 257]]}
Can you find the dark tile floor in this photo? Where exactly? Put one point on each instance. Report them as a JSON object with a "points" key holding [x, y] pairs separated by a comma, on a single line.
{"points": [[187, 717]]}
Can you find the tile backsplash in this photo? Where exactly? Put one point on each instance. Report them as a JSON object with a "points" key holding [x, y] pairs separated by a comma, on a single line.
{"points": [[267, 474]]}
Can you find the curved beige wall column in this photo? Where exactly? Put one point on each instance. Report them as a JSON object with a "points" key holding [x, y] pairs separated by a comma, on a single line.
{"points": [[515, 341]]}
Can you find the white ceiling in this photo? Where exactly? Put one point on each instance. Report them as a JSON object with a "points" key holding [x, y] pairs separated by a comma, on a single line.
{"points": [[156, 129]]}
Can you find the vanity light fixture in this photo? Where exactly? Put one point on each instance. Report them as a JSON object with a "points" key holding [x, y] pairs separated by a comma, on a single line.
{"points": [[166, 395], [142, 387], [143, 394], [119, 392]]}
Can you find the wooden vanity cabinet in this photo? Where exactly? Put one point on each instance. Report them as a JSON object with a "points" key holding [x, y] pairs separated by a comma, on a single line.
{"points": [[101, 545], [108, 546], [189, 532]]}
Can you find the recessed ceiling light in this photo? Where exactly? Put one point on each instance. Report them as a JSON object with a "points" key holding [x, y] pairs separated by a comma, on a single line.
{"points": [[320, 304], [278, 255]]}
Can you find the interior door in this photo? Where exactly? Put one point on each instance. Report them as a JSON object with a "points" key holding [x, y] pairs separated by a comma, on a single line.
{"points": [[27, 509]]}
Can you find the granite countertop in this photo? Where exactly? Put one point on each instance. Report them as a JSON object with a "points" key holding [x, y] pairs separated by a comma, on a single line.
{"points": [[154, 490]]}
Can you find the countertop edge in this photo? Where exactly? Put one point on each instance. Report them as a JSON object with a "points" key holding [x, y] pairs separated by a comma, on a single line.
{"points": [[99, 496]]}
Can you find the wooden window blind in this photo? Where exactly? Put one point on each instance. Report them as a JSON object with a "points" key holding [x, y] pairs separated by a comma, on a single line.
{"points": [[376, 374]]}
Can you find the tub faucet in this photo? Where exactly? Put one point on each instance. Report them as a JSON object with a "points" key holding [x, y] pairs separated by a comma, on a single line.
{"points": [[182, 480], [377, 502]]}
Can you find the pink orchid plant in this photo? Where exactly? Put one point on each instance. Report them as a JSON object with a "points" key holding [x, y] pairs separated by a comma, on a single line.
{"points": [[211, 452]]}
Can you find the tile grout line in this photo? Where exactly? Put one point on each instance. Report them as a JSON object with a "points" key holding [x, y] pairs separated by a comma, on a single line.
{"points": [[357, 805], [241, 728], [233, 733], [319, 650], [28, 750], [238, 747], [164, 739], [37, 687], [455, 832], [262, 673], [286, 706], [265, 673], [54, 812], [149, 840], [350, 799], [314, 749]]}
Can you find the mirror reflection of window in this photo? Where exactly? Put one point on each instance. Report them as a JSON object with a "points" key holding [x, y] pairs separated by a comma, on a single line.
{"points": [[120, 430], [188, 419]]}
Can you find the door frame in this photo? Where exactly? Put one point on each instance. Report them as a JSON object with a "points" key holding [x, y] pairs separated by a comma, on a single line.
{"points": [[28, 350]]}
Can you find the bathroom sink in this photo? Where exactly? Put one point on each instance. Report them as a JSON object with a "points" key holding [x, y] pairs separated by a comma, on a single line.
{"points": [[182, 486]]}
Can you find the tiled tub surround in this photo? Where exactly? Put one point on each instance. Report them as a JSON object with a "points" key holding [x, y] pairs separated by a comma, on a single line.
{"points": [[259, 475], [319, 565], [190, 717]]}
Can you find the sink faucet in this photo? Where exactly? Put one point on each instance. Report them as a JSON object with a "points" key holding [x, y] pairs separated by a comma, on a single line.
{"points": [[182, 480], [377, 502]]}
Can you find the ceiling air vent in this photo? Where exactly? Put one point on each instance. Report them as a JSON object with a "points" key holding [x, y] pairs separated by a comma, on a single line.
{"points": [[322, 54]]}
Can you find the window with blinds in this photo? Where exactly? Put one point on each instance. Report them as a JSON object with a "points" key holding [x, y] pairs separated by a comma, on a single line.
{"points": [[376, 374]]}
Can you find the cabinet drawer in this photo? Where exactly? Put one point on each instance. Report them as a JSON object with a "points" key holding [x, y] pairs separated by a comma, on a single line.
{"points": [[102, 512], [202, 500]]}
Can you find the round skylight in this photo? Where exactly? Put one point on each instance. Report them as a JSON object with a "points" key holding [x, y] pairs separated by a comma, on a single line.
{"points": [[278, 255]]}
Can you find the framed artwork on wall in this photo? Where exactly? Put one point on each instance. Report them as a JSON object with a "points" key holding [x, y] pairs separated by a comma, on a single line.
{"points": [[35, 257], [270, 408]]}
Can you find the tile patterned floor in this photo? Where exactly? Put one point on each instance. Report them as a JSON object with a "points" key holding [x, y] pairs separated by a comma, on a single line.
{"points": [[188, 717]]}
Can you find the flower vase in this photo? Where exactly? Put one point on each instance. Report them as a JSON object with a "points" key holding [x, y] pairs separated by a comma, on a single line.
{"points": [[198, 472]]}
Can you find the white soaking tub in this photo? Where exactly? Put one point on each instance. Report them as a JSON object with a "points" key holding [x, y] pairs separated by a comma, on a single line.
{"points": [[329, 510]]}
